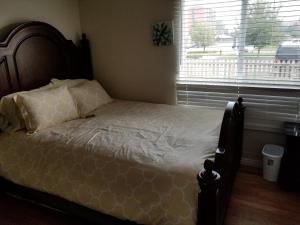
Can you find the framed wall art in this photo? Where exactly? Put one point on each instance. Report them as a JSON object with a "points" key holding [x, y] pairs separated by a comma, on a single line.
{"points": [[162, 33]]}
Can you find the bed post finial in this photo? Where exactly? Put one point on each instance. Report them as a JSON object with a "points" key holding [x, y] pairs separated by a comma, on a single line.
{"points": [[240, 100], [208, 180]]}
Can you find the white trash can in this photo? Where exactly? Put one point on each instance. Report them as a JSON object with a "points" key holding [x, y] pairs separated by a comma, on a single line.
{"points": [[272, 155]]}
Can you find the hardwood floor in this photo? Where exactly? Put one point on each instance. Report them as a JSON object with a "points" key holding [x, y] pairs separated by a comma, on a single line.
{"points": [[254, 202], [258, 202], [14, 211]]}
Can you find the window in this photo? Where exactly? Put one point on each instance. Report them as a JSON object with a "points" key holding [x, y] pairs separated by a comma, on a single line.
{"points": [[249, 48]]}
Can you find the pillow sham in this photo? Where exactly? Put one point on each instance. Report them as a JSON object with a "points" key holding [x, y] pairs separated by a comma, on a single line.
{"points": [[68, 82], [10, 110], [46, 108], [89, 96]]}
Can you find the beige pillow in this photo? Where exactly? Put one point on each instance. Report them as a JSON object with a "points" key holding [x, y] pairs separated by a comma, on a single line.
{"points": [[9, 109], [46, 108], [68, 82], [89, 96]]}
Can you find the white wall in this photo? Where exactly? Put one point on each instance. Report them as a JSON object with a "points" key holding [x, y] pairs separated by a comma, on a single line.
{"points": [[254, 141], [62, 14], [124, 59]]}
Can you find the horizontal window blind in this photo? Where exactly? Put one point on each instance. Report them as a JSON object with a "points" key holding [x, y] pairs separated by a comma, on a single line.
{"points": [[248, 48]]}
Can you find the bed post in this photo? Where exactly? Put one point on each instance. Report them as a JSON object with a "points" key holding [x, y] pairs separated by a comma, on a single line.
{"points": [[240, 130], [86, 57], [216, 179], [208, 195]]}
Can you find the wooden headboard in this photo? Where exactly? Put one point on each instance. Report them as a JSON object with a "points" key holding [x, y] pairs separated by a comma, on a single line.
{"points": [[35, 52]]}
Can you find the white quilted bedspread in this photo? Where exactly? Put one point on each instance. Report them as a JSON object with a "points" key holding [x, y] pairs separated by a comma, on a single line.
{"points": [[133, 160]]}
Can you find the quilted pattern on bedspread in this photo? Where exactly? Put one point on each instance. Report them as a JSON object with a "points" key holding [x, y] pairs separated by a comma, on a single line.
{"points": [[133, 160]]}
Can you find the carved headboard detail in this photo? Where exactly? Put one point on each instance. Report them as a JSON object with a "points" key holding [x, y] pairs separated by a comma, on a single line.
{"points": [[35, 52]]}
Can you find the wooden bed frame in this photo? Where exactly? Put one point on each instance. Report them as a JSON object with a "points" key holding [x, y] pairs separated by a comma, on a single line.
{"points": [[35, 52]]}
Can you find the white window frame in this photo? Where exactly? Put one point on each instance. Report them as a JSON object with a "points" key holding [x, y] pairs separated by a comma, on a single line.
{"points": [[254, 120]]}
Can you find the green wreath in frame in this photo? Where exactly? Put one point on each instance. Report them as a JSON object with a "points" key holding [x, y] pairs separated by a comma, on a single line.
{"points": [[162, 33]]}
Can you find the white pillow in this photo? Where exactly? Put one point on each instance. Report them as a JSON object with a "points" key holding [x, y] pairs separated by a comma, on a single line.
{"points": [[68, 82], [46, 108], [89, 96], [9, 109]]}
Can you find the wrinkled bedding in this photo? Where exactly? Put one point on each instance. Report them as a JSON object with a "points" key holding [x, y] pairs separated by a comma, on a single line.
{"points": [[133, 160]]}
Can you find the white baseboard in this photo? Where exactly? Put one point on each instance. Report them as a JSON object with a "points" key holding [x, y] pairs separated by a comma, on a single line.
{"points": [[251, 162]]}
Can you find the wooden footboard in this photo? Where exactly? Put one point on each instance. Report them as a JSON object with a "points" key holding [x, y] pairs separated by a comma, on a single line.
{"points": [[216, 179]]}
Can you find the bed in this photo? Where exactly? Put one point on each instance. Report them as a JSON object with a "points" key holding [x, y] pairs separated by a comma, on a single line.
{"points": [[132, 161]]}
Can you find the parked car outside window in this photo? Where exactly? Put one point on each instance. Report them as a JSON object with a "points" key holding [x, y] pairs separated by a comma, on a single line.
{"points": [[288, 53]]}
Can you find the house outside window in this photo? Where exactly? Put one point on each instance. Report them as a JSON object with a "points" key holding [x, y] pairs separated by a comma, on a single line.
{"points": [[248, 48]]}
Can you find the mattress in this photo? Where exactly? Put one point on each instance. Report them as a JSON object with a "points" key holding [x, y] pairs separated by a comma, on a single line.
{"points": [[132, 160]]}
